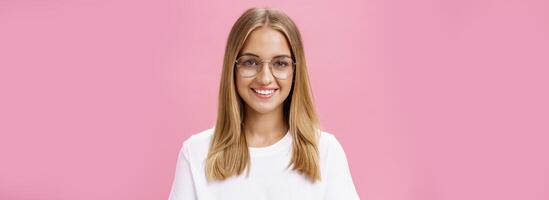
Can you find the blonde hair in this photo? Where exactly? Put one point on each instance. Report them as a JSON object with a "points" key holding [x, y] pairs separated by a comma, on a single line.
{"points": [[228, 154]]}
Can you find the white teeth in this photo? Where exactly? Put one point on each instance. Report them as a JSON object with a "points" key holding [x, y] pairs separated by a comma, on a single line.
{"points": [[264, 91]]}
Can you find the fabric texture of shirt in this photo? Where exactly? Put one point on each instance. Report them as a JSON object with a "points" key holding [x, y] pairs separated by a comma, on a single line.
{"points": [[269, 178]]}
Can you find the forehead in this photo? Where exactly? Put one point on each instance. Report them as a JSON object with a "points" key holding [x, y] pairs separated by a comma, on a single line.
{"points": [[266, 42]]}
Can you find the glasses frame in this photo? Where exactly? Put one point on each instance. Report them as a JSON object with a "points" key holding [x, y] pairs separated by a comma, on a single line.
{"points": [[262, 64]]}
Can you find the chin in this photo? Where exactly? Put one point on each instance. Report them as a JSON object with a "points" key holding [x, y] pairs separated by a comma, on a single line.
{"points": [[263, 110]]}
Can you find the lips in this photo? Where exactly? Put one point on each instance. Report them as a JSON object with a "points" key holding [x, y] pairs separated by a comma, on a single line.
{"points": [[264, 93]]}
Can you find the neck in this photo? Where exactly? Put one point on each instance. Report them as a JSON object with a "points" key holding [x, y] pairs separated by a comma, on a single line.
{"points": [[263, 129]]}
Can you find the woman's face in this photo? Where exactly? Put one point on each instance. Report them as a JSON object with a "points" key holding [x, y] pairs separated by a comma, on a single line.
{"points": [[263, 92]]}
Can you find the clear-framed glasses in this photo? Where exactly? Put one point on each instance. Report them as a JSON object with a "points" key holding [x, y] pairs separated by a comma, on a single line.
{"points": [[281, 67]]}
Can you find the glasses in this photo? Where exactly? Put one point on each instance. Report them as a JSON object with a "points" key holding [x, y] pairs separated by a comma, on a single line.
{"points": [[249, 66]]}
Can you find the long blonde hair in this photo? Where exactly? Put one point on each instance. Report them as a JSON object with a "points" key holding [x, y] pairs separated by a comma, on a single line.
{"points": [[228, 154]]}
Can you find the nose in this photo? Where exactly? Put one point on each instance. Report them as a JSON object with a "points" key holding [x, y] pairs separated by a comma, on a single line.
{"points": [[265, 76]]}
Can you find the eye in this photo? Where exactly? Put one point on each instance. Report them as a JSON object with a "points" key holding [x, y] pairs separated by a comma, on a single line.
{"points": [[250, 62], [281, 63]]}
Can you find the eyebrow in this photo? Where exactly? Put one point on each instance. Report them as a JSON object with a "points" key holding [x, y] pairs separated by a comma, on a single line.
{"points": [[251, 54]]}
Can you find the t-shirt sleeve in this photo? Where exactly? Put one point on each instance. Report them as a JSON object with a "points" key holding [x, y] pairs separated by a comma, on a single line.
{"points": [[183, 185], [339, 181]]}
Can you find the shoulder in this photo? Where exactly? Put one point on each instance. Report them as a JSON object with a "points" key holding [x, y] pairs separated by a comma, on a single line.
{"points": [[329, 146], [327, 139], [196, 145], [335, 169], [199, 138]]}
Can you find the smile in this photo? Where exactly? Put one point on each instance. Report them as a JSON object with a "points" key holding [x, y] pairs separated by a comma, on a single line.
{"points": [[264, 93]]}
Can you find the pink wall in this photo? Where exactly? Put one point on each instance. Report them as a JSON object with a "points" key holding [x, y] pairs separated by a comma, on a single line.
{"points": [[432, 100]]}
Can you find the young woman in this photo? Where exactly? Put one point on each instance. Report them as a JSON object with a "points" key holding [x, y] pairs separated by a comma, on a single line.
{"points": [[266, 143]]}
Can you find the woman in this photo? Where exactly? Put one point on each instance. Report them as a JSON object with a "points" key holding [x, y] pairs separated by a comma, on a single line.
{"points": [[266, 143]]}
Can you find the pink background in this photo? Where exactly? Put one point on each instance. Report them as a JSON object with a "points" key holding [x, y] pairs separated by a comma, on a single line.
{"points": [[432, 100]]}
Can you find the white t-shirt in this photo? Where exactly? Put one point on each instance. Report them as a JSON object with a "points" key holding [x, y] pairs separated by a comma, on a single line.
{"points": [[269, 177]]}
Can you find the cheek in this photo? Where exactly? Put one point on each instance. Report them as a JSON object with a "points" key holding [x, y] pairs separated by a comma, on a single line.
{"points": [[287, 85], [242, 86]]}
